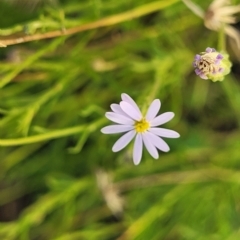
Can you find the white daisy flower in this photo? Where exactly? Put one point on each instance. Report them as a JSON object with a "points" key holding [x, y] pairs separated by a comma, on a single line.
{"points": [[220, 13], [129, 119]]}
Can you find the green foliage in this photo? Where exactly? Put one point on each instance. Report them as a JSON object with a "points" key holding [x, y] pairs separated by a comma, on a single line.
{"points": [[59, 178]]}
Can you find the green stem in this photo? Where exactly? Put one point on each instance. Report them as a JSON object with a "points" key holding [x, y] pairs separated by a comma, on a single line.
{"points": [[154, 89], [104, 22], [51, 135], [30, 60], [222, 40]]}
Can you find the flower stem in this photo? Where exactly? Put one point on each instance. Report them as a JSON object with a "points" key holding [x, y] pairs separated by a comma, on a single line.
{"points": [[152, 93], [51, 134], [104, 22], [159, 72], [222, 39]]}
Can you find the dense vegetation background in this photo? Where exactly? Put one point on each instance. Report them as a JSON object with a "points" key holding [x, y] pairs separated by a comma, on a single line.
{"points": [[59, 178]]}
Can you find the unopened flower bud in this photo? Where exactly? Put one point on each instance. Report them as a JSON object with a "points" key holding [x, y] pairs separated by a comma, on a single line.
{"points": [[212, 65]]}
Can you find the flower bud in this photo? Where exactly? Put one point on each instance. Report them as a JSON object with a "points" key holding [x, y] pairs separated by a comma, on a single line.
{"points": [[212, 65]]}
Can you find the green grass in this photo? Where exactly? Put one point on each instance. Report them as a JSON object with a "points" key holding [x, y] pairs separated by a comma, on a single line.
{"points": [[59, 178]]}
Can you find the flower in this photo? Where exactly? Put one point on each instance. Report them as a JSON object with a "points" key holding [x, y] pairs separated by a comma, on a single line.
{"points": [[220, 14], [129, 119], [212, 65]]}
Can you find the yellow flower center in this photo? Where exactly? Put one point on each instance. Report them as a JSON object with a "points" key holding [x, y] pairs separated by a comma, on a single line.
{"points": [[142, 126]]}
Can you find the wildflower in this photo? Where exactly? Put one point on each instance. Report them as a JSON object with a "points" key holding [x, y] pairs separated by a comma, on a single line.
{"points": [[129, 119], [211, 65], [220, 14]]}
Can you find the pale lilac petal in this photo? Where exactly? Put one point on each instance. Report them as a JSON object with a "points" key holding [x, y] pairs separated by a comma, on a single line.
{"points": [[161, 119], [197, 71], [198, 57], [208, 50], [117, 109], [203, 76], [153, 109], [157, 142], [163, 132], [137, 149], [118, 118], [219, 56], [127, 98], [123, 141], [149, 146], [131, 111], [111, 129]]}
